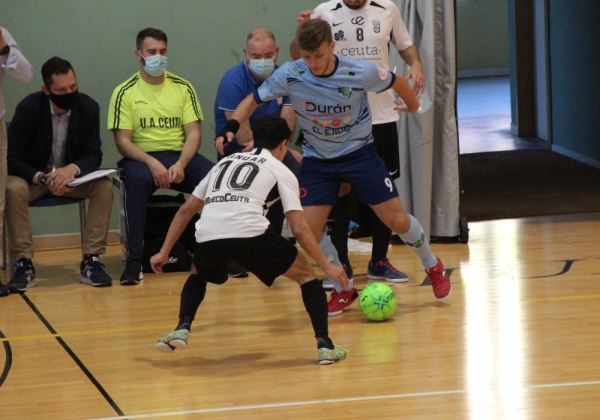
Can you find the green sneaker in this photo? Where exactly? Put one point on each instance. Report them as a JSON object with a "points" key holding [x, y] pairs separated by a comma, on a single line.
{"points": [[173, 340], [329, 356]]}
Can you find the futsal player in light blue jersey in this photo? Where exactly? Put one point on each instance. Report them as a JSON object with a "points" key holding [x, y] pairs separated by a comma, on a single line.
{"points": [[329, 95]]}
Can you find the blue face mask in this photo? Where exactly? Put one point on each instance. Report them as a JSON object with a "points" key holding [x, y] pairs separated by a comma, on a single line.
{"points": [[155, 65], [261, 67]]}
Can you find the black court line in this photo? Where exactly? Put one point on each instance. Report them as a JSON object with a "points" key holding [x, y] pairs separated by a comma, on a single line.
{"points": [[79, 363], [7, 361]]}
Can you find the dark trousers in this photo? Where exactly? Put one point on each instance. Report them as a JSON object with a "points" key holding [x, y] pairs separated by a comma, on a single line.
{"points": [[139, 186]]}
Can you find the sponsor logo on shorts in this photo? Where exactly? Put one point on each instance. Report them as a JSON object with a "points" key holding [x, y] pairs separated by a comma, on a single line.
{"points": [[303, 192]]}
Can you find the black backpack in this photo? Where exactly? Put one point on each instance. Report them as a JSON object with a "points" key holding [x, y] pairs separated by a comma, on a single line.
{"points": [[159, 214]]}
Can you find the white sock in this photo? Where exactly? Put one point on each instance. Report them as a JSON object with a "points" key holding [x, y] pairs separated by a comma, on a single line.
{"points": [[415, 238], [330, 252]]}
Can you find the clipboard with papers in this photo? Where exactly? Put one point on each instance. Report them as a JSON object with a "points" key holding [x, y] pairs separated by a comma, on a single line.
{"points": [[91, 176]]}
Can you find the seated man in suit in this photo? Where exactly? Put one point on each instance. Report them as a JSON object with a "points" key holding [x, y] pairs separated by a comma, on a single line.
{"points": [[155, 118], [54, 137]]}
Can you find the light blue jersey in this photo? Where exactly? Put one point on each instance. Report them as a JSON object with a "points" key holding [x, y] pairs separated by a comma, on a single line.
{"points": [[333, 111]]}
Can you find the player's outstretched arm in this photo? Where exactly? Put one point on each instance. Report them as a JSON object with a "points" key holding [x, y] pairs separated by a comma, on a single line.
{"points": [[241, 113], [403, 89], [183, 216], [307, 241]]}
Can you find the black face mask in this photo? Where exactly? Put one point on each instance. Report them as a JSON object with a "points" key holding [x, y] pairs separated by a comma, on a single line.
{"points": [[66, 101]]}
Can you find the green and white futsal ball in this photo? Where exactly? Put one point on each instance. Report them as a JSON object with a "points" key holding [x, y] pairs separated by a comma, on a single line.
{"points": [[377, 302]]}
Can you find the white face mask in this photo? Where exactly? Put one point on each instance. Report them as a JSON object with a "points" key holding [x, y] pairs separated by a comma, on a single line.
{"points": [[155, 65], [261, 67]]}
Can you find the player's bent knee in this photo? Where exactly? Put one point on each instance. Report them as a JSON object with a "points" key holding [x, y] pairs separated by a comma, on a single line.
{"points": [[400, 223], [195, 277], [194, 282]]}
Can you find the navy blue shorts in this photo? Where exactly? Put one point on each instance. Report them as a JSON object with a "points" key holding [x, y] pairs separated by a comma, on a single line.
{"points": [[320, 178]]}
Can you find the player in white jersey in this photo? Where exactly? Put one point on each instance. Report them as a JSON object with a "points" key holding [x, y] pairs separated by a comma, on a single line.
{"points": [[367, 29], [232, 198], [329, 96]]}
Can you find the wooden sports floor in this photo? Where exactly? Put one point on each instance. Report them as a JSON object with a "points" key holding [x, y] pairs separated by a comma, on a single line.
{"points": [[519, 338]]}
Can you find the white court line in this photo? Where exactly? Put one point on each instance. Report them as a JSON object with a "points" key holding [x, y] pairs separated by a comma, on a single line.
{"points": [[334, 401]]}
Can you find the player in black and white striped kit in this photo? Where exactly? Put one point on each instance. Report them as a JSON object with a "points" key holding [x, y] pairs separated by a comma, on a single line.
{"points": [[232, 198]]}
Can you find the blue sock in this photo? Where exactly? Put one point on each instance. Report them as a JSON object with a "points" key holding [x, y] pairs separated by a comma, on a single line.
{"points": [[415, 238]]}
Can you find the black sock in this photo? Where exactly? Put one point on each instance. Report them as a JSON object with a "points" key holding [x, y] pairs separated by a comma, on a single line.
{"points": [[325, 342], [315, 302], [338, 226], [382, 236], [192, 296], [185, 323], [359, 212]]}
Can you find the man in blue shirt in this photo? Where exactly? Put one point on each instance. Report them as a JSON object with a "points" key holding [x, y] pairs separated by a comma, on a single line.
{"points": [[329, 94], [260, 57]]}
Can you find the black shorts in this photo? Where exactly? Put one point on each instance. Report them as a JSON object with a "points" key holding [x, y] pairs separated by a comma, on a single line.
{"points": [[267, 256], [386, 144]]}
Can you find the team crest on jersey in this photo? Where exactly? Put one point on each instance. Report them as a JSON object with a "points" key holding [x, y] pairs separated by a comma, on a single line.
{"points": [[383, 73], [339, 35], [346, 92], [376, 26]]}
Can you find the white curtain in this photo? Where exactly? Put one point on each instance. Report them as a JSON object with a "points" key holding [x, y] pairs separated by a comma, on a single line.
{"points": [[429, 181]]}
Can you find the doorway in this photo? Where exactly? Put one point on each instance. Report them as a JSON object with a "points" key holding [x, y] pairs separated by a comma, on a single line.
{"points": [[486, 121]]}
